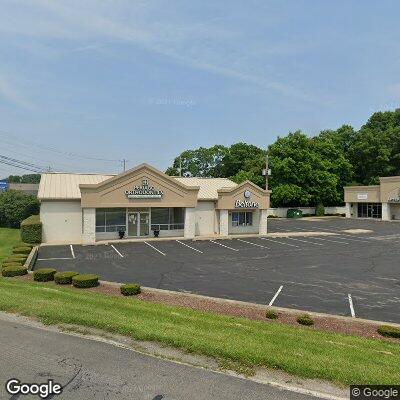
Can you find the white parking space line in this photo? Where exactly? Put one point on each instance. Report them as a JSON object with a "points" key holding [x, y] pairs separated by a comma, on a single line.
{"points": [[72, 251], [305, 241], [155, 248], [55, 258], [353, 314], [190, 247], [277, 241], [275, 296], [253, 244], [116, 250], [329, 240], [220, 244]]}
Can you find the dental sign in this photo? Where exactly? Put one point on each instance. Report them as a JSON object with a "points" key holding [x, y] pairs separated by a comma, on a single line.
{"points": [[144, 192], [246, 203]]}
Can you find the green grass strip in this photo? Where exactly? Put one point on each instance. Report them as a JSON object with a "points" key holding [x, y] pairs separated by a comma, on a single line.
{"points": [[8, 238], [300, 351]]}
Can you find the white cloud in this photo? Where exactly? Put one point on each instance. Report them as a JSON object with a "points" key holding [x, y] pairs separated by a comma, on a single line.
{"points": [[197, 43]]}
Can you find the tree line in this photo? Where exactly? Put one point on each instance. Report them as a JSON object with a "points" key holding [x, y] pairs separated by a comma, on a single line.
{"points": [[306, 171]]}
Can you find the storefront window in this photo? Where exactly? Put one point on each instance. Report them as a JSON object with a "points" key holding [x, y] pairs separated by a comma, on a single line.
{"points": [[369, 210], [167, 218], [242, 218], [110, 219]]}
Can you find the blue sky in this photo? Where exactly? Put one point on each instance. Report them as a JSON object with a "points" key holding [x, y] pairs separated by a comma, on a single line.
{"points": [[82, 82]]}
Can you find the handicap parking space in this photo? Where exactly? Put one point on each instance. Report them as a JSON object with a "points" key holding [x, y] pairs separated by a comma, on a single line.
{"points": [[341, 274]]}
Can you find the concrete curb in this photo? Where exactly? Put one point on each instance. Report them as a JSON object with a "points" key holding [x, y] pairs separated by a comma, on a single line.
{"points": [[256, 305], [30, 261]]}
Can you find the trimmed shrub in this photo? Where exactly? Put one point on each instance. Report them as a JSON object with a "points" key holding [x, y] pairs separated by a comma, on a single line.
{"points": [[85, 281], [130, 289], [389, 331], [11, 264], [22, 250], [22, 244], [14, 271], [44, 274], [31, 229], [305, 320], [271, 314], [320, 210], [64, 278], [16, 257]]}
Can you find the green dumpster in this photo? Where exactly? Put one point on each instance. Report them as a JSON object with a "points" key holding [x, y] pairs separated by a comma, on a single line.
{"points": [[294, 213]]}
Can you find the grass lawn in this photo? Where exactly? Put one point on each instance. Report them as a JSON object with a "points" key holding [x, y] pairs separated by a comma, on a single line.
{"points": [[8, 238], [300, 351]]}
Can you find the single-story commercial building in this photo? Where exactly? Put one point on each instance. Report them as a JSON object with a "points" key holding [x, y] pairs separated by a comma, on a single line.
{"points": [[85, 208], [378, 201]]}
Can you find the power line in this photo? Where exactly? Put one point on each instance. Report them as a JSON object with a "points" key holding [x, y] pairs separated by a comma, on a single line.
{"points": [[27, 143], [20, 164]]}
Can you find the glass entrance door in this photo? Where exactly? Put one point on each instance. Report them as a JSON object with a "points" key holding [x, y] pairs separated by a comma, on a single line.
{"points": [[144, 219], [138, 223], [133, 224]]}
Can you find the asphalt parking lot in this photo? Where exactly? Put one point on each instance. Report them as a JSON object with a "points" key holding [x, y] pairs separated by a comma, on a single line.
{"points": [[356, 272]]}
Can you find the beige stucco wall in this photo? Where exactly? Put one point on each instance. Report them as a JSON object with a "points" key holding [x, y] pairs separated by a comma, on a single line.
{"points": [[111, 193], [227, 198], [205, 218], [62, 221], [353, 194], [390, 188]]}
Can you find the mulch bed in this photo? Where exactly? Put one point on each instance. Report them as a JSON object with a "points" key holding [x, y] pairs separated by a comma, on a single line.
{"points": [[325, 323]]}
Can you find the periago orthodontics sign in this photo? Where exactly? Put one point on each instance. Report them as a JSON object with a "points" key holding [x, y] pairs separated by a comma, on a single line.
{"points": [[144, 192], [246, 203]]}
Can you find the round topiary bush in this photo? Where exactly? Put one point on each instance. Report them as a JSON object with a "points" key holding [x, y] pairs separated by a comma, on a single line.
{"points": [[64, 278], [130, 289], [13, 271], [271, 314], [389, 331], [305, 320], [44, 274], [85, 281], [22, 250], [12, 264]]}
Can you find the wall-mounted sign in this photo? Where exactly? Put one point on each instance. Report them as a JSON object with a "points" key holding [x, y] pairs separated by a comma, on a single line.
{"points": [[362, 196], [246, 203], [3, 185], [394, 196], [144, 192]]}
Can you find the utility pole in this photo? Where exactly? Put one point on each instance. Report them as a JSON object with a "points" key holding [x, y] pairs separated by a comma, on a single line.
{"points": [[124, 164], [180, 166], [266, 172]]}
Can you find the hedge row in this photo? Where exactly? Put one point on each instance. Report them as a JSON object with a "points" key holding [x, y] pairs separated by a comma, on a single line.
{"points": [[65, 278], [31, 229]]}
